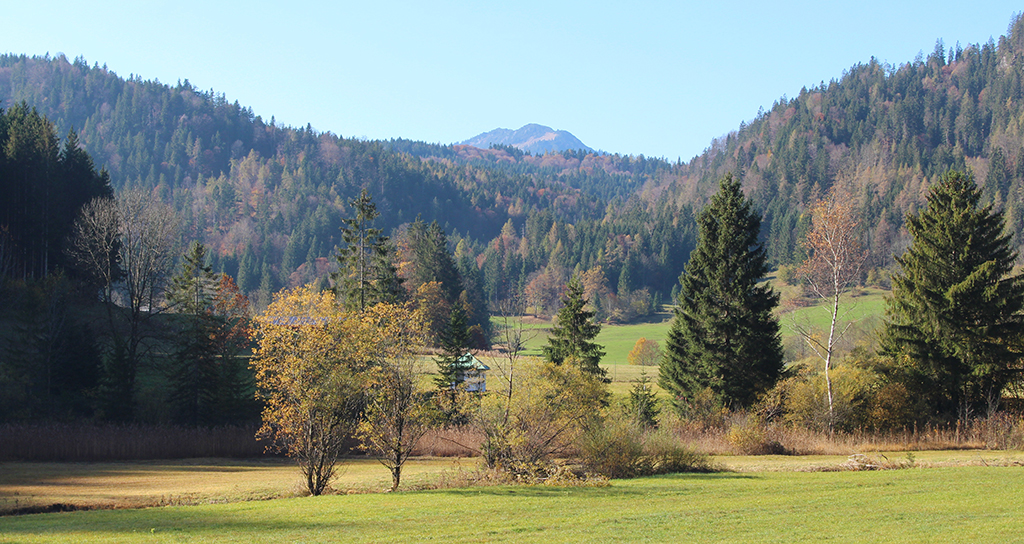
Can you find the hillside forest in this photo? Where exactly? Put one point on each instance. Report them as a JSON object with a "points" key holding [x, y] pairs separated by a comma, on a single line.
{"points": [[253, 208]]}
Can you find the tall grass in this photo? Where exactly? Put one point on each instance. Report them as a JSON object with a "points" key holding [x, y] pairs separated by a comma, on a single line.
{"points": [[742, 434], [112, 442]]}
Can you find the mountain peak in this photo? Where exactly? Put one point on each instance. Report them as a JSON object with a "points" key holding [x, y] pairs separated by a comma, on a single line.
{"points": [[537, 139]]}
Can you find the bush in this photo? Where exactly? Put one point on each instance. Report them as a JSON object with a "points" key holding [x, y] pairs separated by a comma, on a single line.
{"points": [[620, 449], [890, 408], [615, 450], [751, 437], [807, 401], [704, 410], [787, 275]]}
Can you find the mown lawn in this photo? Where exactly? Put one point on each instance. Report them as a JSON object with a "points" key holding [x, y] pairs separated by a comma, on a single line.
{"points": [[953, 504]]}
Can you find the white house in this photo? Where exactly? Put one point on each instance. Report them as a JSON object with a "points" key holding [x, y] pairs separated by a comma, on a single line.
{"points": [[471, 373]]}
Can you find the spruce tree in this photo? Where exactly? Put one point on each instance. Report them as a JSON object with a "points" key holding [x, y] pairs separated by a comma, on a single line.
{"points": [[194, 375], [954, 318], [450, 365], [454, 344], [724, 336], [572, 335], [356, 260]]}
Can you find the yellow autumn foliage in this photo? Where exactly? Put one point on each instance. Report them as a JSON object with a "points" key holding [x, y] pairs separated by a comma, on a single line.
{"points": [[314, 365]]}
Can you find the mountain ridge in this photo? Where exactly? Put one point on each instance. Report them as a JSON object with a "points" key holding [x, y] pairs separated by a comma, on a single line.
{"points": [[533, 138]]}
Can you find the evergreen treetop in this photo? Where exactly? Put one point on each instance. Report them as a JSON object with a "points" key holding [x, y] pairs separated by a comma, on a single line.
{"points": [[361, 255], [572, 335]]}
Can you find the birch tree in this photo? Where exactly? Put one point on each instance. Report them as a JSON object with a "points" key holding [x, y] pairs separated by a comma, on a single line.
{"points": [[833, 266]]}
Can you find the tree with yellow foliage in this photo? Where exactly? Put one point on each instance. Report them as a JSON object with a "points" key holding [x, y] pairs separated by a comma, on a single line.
{"points": [[398, 412], [327, 375], [310, 382], [645, 353]]}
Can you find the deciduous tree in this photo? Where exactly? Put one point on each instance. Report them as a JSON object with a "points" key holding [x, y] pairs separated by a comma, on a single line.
{"points": [[833, 265], [645, 353], [398, 412], [309, 361]]}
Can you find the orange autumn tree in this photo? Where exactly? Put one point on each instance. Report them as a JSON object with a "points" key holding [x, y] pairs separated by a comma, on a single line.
{"points": [[645, 353]]}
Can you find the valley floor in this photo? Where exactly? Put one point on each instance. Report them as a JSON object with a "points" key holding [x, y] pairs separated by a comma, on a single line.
{"points": [[953, 496]]}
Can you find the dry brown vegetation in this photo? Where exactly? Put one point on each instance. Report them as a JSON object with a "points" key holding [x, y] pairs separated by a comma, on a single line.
{"points": [[742, 434], [106, 442]]}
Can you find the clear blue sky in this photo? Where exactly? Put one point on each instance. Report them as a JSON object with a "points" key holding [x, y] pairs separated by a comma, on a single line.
{"points": [[655, 78]]}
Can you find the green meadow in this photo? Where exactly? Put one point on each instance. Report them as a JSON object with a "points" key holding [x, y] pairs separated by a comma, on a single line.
{"points": [[945, 504], [864, 309]]}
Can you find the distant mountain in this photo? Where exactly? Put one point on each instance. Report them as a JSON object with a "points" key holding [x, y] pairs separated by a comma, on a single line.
{"points": [[537, 139]]}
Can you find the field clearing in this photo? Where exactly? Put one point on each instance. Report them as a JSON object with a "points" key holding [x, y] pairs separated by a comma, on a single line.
{"points": [[193, 481], [617, 340], [948, 504], [867, 307]]}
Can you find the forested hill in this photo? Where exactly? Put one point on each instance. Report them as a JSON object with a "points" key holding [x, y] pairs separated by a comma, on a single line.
{"points": [[884, 132], [269, 199]]}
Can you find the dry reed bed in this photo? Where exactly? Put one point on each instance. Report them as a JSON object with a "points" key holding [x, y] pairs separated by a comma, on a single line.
{"points": [[737, 436], [112, 442]]}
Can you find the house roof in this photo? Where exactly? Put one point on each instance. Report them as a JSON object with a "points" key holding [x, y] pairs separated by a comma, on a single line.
{"points": [[295, 320], [470, 362]]}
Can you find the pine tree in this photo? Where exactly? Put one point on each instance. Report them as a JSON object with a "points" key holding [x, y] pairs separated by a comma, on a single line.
{"points": [[354, 281], [642, 404], [386, 285], [571, 337], [954, 318], [724, 336], [454, 343], [194, 373], [450, 365]]}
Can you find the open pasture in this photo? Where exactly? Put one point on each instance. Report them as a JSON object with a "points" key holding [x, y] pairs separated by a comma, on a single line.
{"points": [[973, 503]]}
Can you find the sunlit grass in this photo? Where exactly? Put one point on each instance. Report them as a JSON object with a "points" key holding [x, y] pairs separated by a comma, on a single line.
{"points": [[953, 504], [195, 481]]}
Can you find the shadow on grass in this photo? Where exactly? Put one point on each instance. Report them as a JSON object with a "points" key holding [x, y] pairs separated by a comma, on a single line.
{"points": [[357, 517]]}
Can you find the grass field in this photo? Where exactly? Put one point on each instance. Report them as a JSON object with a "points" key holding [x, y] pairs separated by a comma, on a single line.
{"points": [[944, 504], [864, 310]]}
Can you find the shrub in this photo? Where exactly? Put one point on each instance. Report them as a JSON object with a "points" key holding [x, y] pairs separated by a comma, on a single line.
{"points": [[620, 449], [806, 402], [615, 450], [751, 436], [890, 408], [705, 409]]}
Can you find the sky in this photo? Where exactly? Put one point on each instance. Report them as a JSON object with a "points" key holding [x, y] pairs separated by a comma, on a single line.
{"points": [[660, 79]]}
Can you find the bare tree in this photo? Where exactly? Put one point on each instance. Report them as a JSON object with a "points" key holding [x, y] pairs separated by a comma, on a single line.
{"points": [[94, 241], [128, 246], [833, 266], [514, 337]]}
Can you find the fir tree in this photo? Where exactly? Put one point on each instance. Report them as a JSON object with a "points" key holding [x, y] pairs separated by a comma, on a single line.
{"points": [[356, 260], [194, 372], [450, 365], [724, 336], [386, 285], [454, 343], [642, 405], [954, 318], [572, 335]]}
